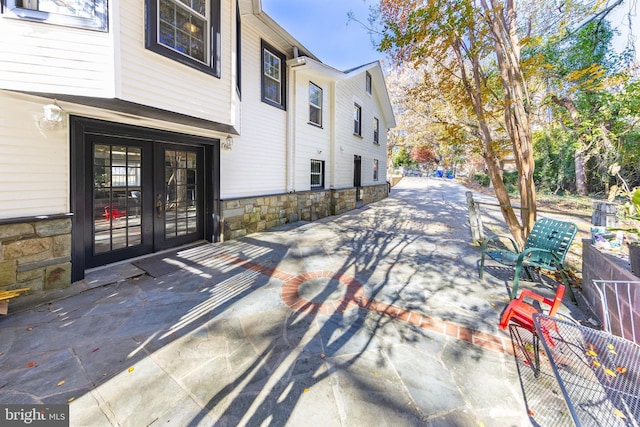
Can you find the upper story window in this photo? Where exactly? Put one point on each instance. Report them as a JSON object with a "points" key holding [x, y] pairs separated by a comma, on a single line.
{"points": [[187, 31], [91, 14], [273, 76], [368, 82], [375, 169], [315, 104], [376, 130], [357, 119]]}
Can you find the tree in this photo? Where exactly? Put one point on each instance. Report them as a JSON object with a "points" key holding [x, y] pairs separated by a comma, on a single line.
{"points": [[423, 154], [581, 71], [402, 158], [453, 39], [471, 53]]}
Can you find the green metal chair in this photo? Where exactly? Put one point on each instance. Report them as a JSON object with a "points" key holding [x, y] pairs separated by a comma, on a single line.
{"points": [[545, 248]]}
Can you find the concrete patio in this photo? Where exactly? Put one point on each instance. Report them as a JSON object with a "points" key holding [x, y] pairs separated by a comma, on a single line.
{"points": [[374, 317]]}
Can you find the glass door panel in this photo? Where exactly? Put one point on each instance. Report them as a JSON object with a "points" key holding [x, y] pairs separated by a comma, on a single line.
{"points": [[181, 208], [117, 195]]}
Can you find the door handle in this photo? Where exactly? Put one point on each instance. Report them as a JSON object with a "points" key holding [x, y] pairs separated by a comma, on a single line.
{"points": [[159, 205]]}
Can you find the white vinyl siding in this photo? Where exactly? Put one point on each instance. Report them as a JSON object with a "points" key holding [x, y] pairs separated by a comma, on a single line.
{"points": [[149, 78], [256, 165], [349, 93], [34, 163], [38, 57]]}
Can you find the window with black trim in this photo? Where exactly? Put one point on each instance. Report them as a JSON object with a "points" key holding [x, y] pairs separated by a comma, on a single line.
{"points": [[375, 169], [90, 14], [273, 76], [357, 119], [376, 130], [315, 104], [368, 82], [186, 31], [317, 174], [238, 49]]}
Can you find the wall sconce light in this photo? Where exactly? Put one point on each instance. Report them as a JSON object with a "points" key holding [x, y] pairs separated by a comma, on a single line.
{"points": [[227, 144], [53, 112]]}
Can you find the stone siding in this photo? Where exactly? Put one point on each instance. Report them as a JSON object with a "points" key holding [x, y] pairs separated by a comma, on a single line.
{"points": [[343, 200], [35, 254], [241, 217], [374, 193], [598, 265], [314, 205]]}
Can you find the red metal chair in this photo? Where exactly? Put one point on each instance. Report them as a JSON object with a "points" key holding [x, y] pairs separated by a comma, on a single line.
{"points": [[114, 213], [521, 311]]}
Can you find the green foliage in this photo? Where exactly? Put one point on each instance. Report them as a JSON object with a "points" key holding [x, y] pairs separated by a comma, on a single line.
{"points": [[510, 180], [402, 158], [482, 179], [555, 166]]}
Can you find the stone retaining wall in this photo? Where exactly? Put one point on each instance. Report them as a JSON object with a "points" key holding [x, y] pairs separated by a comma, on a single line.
{"points": [[599, 265], [35, 254], [374, 193], [249, 215]]}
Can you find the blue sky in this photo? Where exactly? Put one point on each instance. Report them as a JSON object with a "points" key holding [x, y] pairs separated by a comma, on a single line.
{"points": [[323, 27]]}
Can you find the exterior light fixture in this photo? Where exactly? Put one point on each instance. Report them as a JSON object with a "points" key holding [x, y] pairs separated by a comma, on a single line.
{"points": [[53, 112], [227, 144]]}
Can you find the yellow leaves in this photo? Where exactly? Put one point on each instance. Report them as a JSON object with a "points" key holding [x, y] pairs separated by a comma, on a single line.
{"points": [[130, 369], [618, 413], [306, 390], [611, 348], [60, 383], [71, 399]]}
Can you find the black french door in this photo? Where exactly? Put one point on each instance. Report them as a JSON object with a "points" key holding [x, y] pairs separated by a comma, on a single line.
{"points": [[143, 196], [357, 175]]}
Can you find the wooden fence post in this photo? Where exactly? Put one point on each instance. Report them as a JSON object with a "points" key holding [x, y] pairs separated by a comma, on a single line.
{"points": [[475, 220]]}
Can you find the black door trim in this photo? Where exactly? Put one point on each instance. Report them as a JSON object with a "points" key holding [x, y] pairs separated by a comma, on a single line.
{"points": [[81, 127]]}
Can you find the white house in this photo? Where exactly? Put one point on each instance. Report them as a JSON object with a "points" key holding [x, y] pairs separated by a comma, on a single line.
{"points": [[134, 126]]}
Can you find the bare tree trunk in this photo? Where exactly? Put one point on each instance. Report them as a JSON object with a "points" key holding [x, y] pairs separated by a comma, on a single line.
{"points": [[473, 86], [503, 27], [581, 175], [578, 157]]}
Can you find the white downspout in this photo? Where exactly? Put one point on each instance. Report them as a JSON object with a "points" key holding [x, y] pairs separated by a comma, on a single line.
{"points": [[292, 96], [332, 135]]}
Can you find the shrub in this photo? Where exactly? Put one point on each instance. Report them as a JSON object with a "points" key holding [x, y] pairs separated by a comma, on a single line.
{"points": [[510, 180], [482, 179]]}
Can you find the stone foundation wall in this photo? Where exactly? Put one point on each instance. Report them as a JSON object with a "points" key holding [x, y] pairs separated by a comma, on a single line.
{"points": [[343, 200], [598, 265], [35, 254], [314, 205], [374, 193], [246, 216], [241, 217]]}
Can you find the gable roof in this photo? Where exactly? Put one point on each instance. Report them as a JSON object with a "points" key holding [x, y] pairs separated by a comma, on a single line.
{"points": [[252, 9], [330, 73], [302, 57]]}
